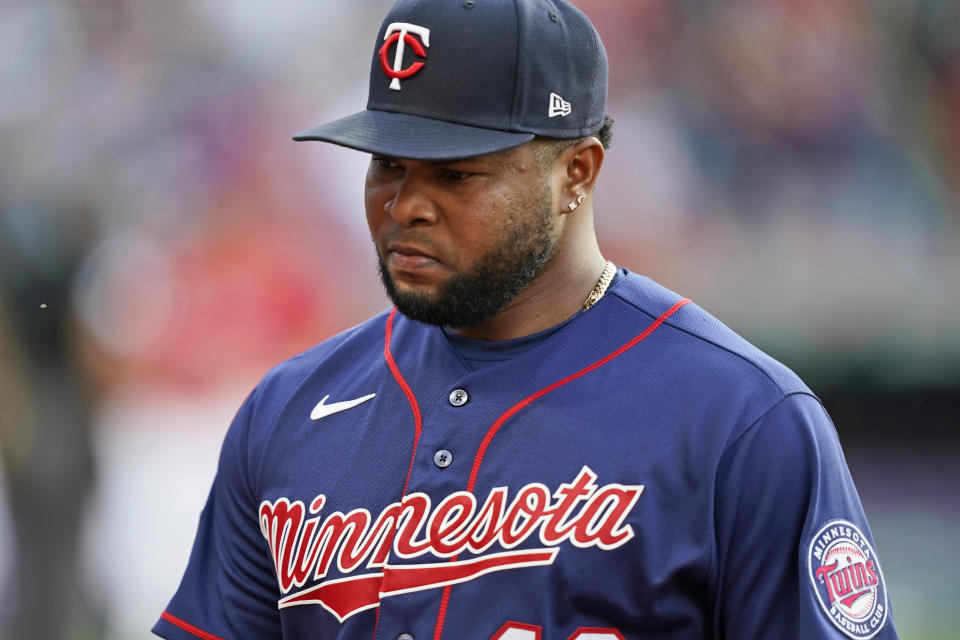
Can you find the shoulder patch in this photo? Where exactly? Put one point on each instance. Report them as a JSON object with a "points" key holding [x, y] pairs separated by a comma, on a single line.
{"points": [[845, 575]]}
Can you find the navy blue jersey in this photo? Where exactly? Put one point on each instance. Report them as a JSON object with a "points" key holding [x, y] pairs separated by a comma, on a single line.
{"points": [[643, 472]]}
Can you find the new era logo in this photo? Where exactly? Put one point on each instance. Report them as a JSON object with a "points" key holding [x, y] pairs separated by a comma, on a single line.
{"points": [[558, 106]]}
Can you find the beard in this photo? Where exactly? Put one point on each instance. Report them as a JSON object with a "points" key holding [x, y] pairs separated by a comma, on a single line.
{"points": [[474, 296]]}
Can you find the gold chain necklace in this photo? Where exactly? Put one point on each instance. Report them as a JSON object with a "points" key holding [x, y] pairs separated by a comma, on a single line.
{"points": [[605, 279]]}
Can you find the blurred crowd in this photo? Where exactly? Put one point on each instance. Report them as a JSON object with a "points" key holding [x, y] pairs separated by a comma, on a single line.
{"points": [[796, 152], [792, 165]]}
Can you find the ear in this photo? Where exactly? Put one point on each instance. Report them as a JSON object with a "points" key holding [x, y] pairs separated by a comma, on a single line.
{"points": [[582, 162]]}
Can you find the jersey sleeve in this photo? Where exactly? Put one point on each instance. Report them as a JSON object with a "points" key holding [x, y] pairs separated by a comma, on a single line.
{"points": [[794, 555], [229, 590]]}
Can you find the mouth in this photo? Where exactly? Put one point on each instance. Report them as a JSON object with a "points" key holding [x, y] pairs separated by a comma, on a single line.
{"points": [[408, 258]]}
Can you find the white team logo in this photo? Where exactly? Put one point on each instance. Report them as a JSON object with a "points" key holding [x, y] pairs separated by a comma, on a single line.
{"points": [[323, 410], [558, 106], [847, 579], [399, 33]]}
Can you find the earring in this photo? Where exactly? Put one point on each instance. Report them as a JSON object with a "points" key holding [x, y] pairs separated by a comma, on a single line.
{"points": [[573, 205]]}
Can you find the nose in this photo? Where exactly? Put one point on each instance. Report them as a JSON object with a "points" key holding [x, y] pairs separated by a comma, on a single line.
{"points": [[410, 205]]}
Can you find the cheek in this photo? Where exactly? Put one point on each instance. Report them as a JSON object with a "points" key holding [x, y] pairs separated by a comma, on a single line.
{"points": [[374, 200]]}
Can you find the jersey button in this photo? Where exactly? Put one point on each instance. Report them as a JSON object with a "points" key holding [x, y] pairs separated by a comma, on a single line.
{"points": [[442, 459], [458, 397], [405, 636]]}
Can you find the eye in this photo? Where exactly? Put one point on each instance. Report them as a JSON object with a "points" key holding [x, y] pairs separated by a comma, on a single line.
{"points": [[384, 164], [453, 175]]}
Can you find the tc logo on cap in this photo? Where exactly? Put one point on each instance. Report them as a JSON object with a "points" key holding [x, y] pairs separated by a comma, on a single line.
{"points": [[399, 32]]}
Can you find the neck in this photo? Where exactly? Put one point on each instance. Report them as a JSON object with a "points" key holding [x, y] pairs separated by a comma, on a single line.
{"points": [[554, 295]]}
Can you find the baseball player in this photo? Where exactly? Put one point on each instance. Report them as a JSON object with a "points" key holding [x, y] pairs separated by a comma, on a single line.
{"points": [[533, 444]]}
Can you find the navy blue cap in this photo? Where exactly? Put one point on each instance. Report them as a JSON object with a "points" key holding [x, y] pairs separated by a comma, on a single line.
{"points": [[460, 78]]}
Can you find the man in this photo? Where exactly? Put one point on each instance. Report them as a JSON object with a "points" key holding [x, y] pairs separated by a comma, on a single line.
{"points": [[533, 444]]}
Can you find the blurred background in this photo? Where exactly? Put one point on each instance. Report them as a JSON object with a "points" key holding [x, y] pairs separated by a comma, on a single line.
{"points": [[791, 165]]}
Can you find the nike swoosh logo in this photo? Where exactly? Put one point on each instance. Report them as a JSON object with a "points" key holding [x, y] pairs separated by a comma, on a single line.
{"points": [[323, 410]]}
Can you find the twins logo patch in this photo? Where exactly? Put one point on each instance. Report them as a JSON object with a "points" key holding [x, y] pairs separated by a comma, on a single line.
{"points": [[846, 576]]}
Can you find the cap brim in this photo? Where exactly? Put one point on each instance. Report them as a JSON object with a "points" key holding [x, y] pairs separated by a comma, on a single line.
{"points": [[400, 135]]}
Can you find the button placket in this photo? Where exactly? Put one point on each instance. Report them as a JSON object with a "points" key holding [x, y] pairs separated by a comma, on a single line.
{"points": [[458, 397], [442, 458]]}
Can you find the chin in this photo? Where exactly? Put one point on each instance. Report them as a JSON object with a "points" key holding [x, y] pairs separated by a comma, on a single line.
{"points": [[418, 287]]}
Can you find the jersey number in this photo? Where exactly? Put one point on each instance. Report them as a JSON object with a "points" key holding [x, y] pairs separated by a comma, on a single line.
{"points": [[520, 631]]}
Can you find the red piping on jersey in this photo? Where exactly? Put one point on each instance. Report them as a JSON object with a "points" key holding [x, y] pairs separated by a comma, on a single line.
{"points": [[417, 419], [509, 413], [395, 370], [189, 628]]}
